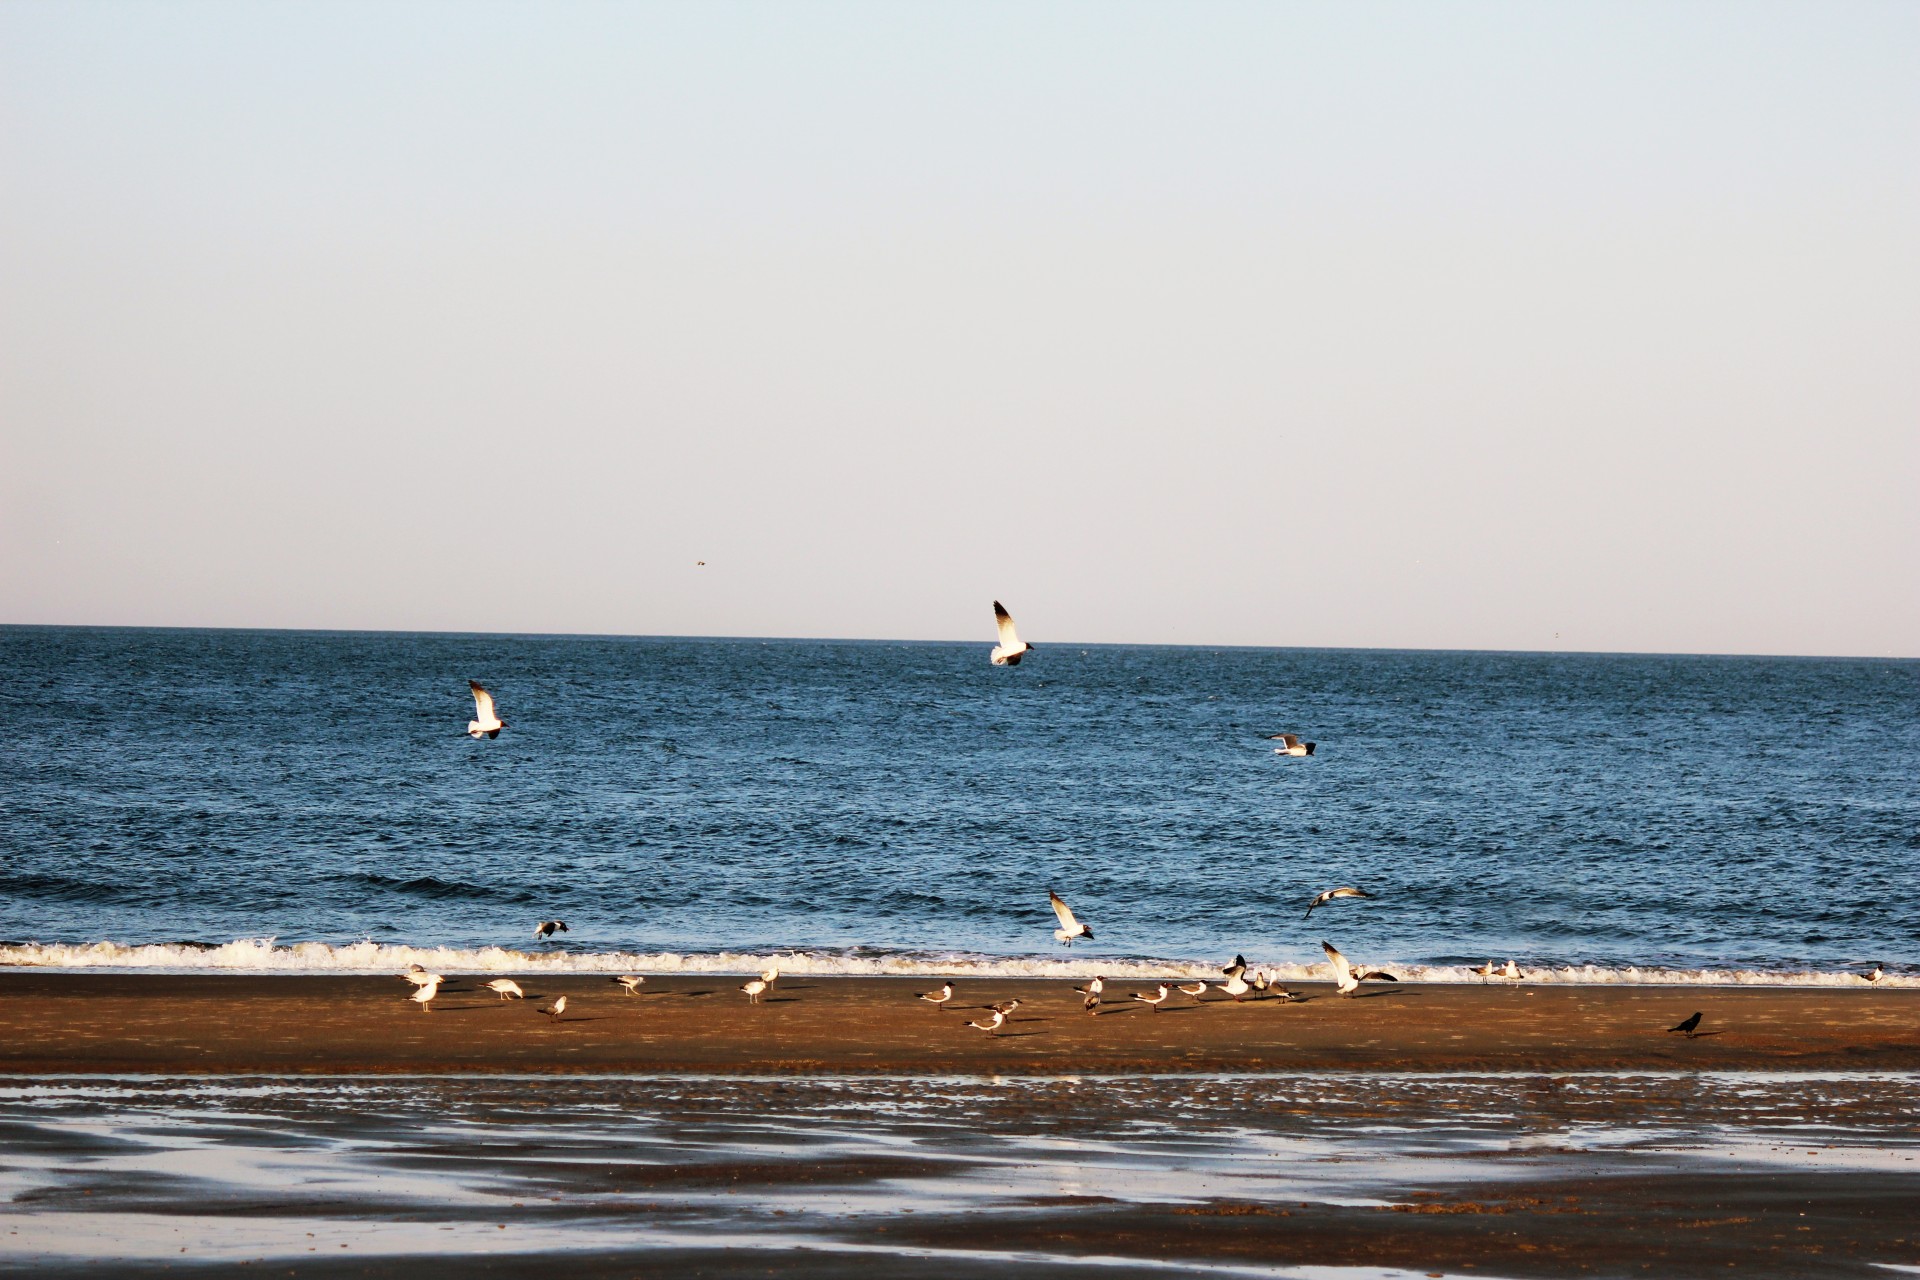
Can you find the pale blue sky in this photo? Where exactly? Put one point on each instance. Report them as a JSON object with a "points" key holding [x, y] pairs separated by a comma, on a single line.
{"points": [[1492, 326]]}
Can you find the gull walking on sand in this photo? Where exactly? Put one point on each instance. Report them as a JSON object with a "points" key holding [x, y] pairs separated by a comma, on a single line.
{"points": [[1070, 928], [426, 992], [1154, 1001], [1690, 1028], [547, 928], [630, 983], [992, 1025], [753, 987], [1346, 978], [1290, 745], [1092, 993], [1344, 891], [1194, 989], [1004, 1006], [555, 1009], [485, 724], [1011, 647], [420, 976], [938, 999], [506, 989]]}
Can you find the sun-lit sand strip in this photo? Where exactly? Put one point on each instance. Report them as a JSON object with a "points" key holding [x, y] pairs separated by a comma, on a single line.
{"points": [[235, 1024]]}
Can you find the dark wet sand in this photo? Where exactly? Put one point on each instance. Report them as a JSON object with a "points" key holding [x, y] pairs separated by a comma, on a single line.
{"points": [[65, 1023]]}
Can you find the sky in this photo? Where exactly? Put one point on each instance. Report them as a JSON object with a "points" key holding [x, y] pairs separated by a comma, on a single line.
{"points": [[1463, 325]]}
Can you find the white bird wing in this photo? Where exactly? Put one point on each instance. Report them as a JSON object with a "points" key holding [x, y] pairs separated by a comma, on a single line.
{"points": [[1009, 638], [482, 702], [1063, 911], [1340, 966]]}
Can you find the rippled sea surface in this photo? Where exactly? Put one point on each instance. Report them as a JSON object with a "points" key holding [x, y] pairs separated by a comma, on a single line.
{"points": [[863, 799]]}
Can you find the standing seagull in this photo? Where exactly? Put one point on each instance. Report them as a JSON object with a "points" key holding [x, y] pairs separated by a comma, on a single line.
{"points": [[992, 1025], [1154, 1001], [1011, 647], [1874, 976], [1347, 979], [555, 1009], [753, 987], [547, 928], [507, 989], [1092, 993], [938, 999], [629, 982], [1344, 891], [419, 976], [484, 724], [1070, 928], [1689, 1028], [1512, 972], [428, 990], [1290, 745], [1487, 970], [771, 974]]}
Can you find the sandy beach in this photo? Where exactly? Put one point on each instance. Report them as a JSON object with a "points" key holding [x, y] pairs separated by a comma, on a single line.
{"points": [[66, 1023]]}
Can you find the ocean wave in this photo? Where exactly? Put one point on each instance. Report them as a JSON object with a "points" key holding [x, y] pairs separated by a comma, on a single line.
{"points": [[268, 955]]}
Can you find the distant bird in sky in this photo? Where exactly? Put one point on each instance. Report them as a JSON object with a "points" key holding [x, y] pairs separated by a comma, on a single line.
{"points": [[1874, 976], [992, 1025], [507, 989], [699, 564], [753, 987], [1290, 745], [1344, 891], [485, 724], [555, 1009], [1346, 978], [426, 992], [1092, 993], [938, 999], [630, 983], [1154, 1001], [1070, 928], [1011, 647], [547, 928], [1689, 1028]]}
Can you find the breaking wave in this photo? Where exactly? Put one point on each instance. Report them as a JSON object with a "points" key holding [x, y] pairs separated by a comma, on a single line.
{"points": [[268, 955]]}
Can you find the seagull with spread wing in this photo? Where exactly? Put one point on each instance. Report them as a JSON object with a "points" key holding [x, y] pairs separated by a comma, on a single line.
{"points": [[1290, 745], [1070, 928], [1347, 978], [1011, 647], [1344, 891], [485, 724]]}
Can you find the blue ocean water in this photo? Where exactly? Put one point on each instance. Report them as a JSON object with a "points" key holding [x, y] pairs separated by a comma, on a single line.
{"points": [[866, 801]]}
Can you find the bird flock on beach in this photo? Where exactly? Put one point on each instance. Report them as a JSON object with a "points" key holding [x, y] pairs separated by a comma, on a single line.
{"points": [[1237, 983]]}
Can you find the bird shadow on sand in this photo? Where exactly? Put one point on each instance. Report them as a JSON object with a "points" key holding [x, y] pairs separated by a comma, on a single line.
{"points": [[557, 1021], [1015, 1035], [1702, 1035], [1375, 995], [778, 1000]]}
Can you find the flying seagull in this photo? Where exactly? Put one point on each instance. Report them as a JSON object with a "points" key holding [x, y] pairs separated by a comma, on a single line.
{"points": [[427, 991], [1346, 978], [555, 1009], [630, 983], [1689, 1028], [992, 1025], [1154, 1001], [1092, 993], [547, 928], [938, 999], [753, 987], [1344, 891], [1290, 745], [1070, 928], [484, 724], [1011, 647], [507, 989]]}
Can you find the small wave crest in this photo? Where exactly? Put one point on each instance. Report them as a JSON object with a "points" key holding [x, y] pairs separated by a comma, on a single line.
{"points": [[268, 955]]}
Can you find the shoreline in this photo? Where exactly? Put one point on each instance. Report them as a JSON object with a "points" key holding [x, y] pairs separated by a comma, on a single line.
{"points": [[250, 1024]]}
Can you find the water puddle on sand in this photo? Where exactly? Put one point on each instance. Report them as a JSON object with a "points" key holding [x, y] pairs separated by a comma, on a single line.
{"points": [[448, 1167]]}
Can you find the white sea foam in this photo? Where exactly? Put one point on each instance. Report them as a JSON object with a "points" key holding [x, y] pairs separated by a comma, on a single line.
{"points": [[267, 955]]}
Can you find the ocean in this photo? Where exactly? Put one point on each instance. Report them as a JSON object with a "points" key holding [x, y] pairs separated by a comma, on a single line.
{"points": [[192, 799]]}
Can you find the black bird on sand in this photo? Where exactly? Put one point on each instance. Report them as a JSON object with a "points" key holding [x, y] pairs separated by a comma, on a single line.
{"points": [[1687, 1028]]}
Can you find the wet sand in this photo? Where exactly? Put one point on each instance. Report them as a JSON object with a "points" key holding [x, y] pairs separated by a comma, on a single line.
{"points": [[67, 1023]]}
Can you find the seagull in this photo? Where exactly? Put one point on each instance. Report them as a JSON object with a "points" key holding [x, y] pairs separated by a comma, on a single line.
{"points": [[1290, 745], [1238, 967], [1487, 970], [631, 982], [1153, 1001], [1344, 891], [1512, 972], [1236, 986], [1070, 928], [753, 987], [1689, 1028], [1260, 982], [507, 988], [771, 974], [1005, 1006], [938, 999], [1011, 647], [1347, 979], [555, 1009], [1092, 993], [1194, 989], [547, 928], [1874, 976], [420, 976], [428, 990], [484, 724], [992, 1025]]}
